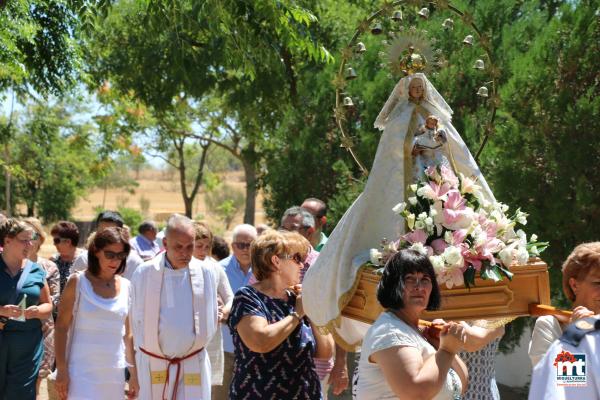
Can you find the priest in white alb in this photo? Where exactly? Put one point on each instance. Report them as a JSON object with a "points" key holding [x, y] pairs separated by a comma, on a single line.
{"points": [[173, 316]]}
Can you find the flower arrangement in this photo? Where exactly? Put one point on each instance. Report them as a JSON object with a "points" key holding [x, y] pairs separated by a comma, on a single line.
{"points": [[464, 234]]}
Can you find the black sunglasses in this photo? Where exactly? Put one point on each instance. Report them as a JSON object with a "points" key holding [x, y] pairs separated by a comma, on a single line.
{"points": [[58, 240], [111, 255]]}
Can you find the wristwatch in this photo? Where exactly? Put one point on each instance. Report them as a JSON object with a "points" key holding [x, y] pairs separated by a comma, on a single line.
{"points": [[296, 315]]}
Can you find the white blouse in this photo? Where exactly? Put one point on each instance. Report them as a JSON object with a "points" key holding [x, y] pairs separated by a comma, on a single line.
{"points": [[390, 331]]}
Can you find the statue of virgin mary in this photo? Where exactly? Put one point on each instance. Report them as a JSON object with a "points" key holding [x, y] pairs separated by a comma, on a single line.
{"points": [[330, 283]]}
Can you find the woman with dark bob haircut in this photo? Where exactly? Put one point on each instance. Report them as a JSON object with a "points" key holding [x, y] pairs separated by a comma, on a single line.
{"points": [[92, 339], [397, 361]]}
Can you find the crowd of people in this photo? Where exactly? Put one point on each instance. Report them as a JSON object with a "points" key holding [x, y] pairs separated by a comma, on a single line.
{"points": [[174, 314]]}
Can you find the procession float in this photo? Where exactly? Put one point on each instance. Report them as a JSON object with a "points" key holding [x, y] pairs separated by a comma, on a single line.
{"points": [[425, 192]]}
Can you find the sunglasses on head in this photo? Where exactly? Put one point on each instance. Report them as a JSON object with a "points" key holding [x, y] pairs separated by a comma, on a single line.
{"points": [[242, 245], [111, 255], [58, 240]]}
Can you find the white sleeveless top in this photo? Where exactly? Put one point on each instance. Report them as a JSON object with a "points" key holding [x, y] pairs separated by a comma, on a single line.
{"points": [[97, 353]]}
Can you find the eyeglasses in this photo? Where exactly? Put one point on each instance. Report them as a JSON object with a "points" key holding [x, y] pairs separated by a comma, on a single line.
{"points": [[298, 259], [242, 245], [412, 282], [58, 240], [111, 255], [26, 242]]}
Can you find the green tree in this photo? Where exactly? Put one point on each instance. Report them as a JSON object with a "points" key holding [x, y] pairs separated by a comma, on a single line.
{"points": [[52, 159]]}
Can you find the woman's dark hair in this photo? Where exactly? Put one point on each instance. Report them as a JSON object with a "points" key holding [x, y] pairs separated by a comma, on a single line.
{"points": [[220, 248], [391, 285], [67, 230], [101, 240]]}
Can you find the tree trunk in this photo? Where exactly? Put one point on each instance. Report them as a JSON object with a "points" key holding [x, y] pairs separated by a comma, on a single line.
{"points": [[251, 191]]}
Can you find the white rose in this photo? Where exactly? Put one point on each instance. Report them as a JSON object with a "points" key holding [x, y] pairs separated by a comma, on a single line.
{"points": [[398, 208], [413, 187], [375, 256], [433, 213], [506, 255], [412, 200], [426, 192], [437, 262], [452, 255]]}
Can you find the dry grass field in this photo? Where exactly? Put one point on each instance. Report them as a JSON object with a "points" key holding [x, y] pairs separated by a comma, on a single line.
{"points": [[161, 189]]}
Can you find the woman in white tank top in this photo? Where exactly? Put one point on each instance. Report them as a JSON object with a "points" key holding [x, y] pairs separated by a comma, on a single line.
{"points": [[92, 338]]}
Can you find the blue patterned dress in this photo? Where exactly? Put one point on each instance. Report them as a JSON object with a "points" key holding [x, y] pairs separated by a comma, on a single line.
{"points": [[286, 372]]}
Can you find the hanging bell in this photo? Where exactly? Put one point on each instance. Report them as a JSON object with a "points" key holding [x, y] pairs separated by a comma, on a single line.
{"points": [[348, 102], [360, 47], [482, 92], [377, 29], [479, 64], [424, 13], [448, 24], [468, 40], [350, 73], [397, 17]]}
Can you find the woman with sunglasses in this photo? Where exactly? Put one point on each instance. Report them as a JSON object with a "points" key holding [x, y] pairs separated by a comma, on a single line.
{"points": [[92, 338], [24, 303], [275, 344]]}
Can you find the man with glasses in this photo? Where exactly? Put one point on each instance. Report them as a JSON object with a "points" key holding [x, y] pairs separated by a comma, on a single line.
{"points": [[239, 270]]}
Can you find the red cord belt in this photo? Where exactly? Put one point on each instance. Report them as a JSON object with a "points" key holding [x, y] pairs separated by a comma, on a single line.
{"points": [[172, 361]]}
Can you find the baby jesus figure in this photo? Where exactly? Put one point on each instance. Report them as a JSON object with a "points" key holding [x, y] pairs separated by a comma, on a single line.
{"points": [[429, 147]]}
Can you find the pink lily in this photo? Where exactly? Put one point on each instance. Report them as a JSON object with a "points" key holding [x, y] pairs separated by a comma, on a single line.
{"points": [[449, 176]]}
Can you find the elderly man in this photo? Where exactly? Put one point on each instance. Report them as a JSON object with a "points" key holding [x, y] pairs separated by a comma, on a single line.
{"points": [[239, 270], [318, 209], [145, 243], [108, 219], [173, 316]]}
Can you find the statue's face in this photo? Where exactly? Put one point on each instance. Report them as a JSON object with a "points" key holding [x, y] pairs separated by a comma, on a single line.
{"points": [[415, 88], [431, 123]]}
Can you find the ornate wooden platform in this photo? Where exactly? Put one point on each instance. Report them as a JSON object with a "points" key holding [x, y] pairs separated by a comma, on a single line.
{"points": [[486, 300]]}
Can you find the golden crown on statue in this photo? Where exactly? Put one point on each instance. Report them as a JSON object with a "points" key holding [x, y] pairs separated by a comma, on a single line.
{"points": [[410, 51]]}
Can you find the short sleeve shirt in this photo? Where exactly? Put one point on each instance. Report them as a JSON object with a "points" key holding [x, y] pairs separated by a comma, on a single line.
{"points": [[286, 372], [32, 287], [390, 331]]}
